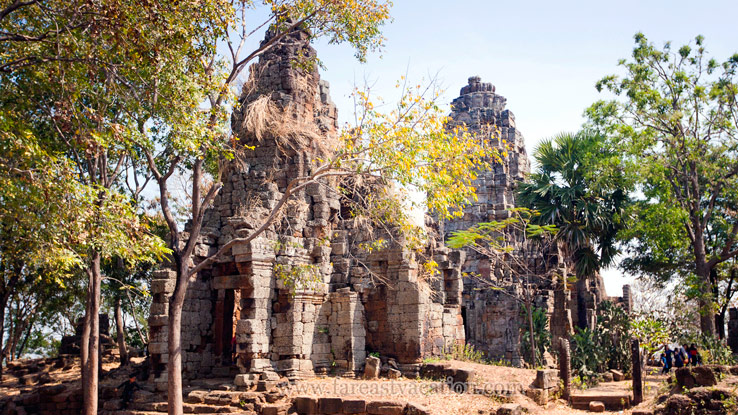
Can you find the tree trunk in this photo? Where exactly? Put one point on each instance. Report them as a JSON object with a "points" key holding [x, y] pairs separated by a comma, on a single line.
{"points": [[144, 339], [91, 369], [581, 302], [720, 324], [529, 306], [17, 269], [706, 301], [2, 333], [174, 346], [120, 332], [84, 344], [24, 343]]}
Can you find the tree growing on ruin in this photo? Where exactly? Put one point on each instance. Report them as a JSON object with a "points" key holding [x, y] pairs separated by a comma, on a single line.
{"points": [[408, 146], [677, 127], [576, 189], [177, 135]]}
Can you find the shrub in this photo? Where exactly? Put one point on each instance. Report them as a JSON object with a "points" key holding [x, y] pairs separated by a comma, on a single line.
{"points": [[614, 327], [605, 347], [465, 352]]}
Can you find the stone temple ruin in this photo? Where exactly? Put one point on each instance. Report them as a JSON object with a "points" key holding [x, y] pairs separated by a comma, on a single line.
{"points": [[360, 302], [492, 317]]}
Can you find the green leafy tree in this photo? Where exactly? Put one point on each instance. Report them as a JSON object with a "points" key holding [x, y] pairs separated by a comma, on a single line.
{"points": [[676, 126], [577, 188], [651, 332], [64, 74], [587, 354], [614, 329]]}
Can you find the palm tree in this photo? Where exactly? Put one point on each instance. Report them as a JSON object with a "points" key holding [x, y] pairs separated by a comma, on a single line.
{"points": [[574, 189]]}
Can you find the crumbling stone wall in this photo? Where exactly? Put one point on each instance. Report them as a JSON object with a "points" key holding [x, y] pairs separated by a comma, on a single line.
{"points": [[355, 301]]}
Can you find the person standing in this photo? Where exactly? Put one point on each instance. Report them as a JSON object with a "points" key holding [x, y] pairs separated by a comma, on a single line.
{"points": [[129, 387], [685, 354], [678, 359], [669, 357], [664, 363]]}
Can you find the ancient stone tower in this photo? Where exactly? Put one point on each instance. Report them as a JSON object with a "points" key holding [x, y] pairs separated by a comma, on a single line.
{"points": [[348, 301], [492, 316]]}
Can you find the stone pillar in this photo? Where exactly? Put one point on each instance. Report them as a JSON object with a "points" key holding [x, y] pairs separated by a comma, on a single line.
{"points": [[635, 349], [257, 287], [627, 298], [565, 367]]}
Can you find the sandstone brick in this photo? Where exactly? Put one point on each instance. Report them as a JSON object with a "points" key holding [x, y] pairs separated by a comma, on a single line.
{"points": [[330, 405], [354, 406], [385, 408]]}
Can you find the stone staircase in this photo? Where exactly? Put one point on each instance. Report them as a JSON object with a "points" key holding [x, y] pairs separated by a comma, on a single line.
{"points": [[210, 396]]}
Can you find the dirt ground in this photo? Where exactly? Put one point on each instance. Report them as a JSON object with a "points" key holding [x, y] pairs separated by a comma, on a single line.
{"points": [[440, 399]]}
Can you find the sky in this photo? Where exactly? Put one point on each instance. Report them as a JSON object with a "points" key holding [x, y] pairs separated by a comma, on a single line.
{"points": [[544, 57]]}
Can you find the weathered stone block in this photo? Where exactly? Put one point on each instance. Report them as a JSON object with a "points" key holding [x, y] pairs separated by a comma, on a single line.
{"points": [[546, 379], [596, 406], [509, 409], [385, 408], [537, 395], [306, 405], [415, 409], [690, 377], [372, 367], [617, 375], [330, 405], [354, 406]]}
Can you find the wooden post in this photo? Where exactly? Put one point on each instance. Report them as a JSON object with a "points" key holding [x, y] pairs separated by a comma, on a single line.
{"points": [[565, 367], [635, 349]]}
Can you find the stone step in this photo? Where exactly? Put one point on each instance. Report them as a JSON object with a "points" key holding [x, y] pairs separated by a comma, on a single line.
{"points": [[188, 409], [612, 401], [161, 407]]}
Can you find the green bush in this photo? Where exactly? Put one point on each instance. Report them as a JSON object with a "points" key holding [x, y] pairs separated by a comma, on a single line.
{"points": [[614, 327], [465, 352], [605, 347], [588, 355]]}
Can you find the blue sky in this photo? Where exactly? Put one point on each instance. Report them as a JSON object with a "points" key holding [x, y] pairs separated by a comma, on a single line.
{"points": [[544, 57]]}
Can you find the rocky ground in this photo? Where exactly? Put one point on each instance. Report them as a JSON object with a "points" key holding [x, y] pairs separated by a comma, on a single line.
{"points": [[51, 386]]}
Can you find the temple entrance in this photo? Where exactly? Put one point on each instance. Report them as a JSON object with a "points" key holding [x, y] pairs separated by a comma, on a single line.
{"points": [[227, 310], [228, 327]]}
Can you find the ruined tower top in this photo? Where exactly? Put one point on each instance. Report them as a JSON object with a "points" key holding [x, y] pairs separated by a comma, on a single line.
{"points": [[479, 106], [476, 85], [285, 101], [483, 112]]}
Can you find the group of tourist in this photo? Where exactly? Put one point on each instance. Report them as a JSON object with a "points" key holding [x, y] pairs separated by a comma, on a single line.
{"points": [[679, 357]]}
